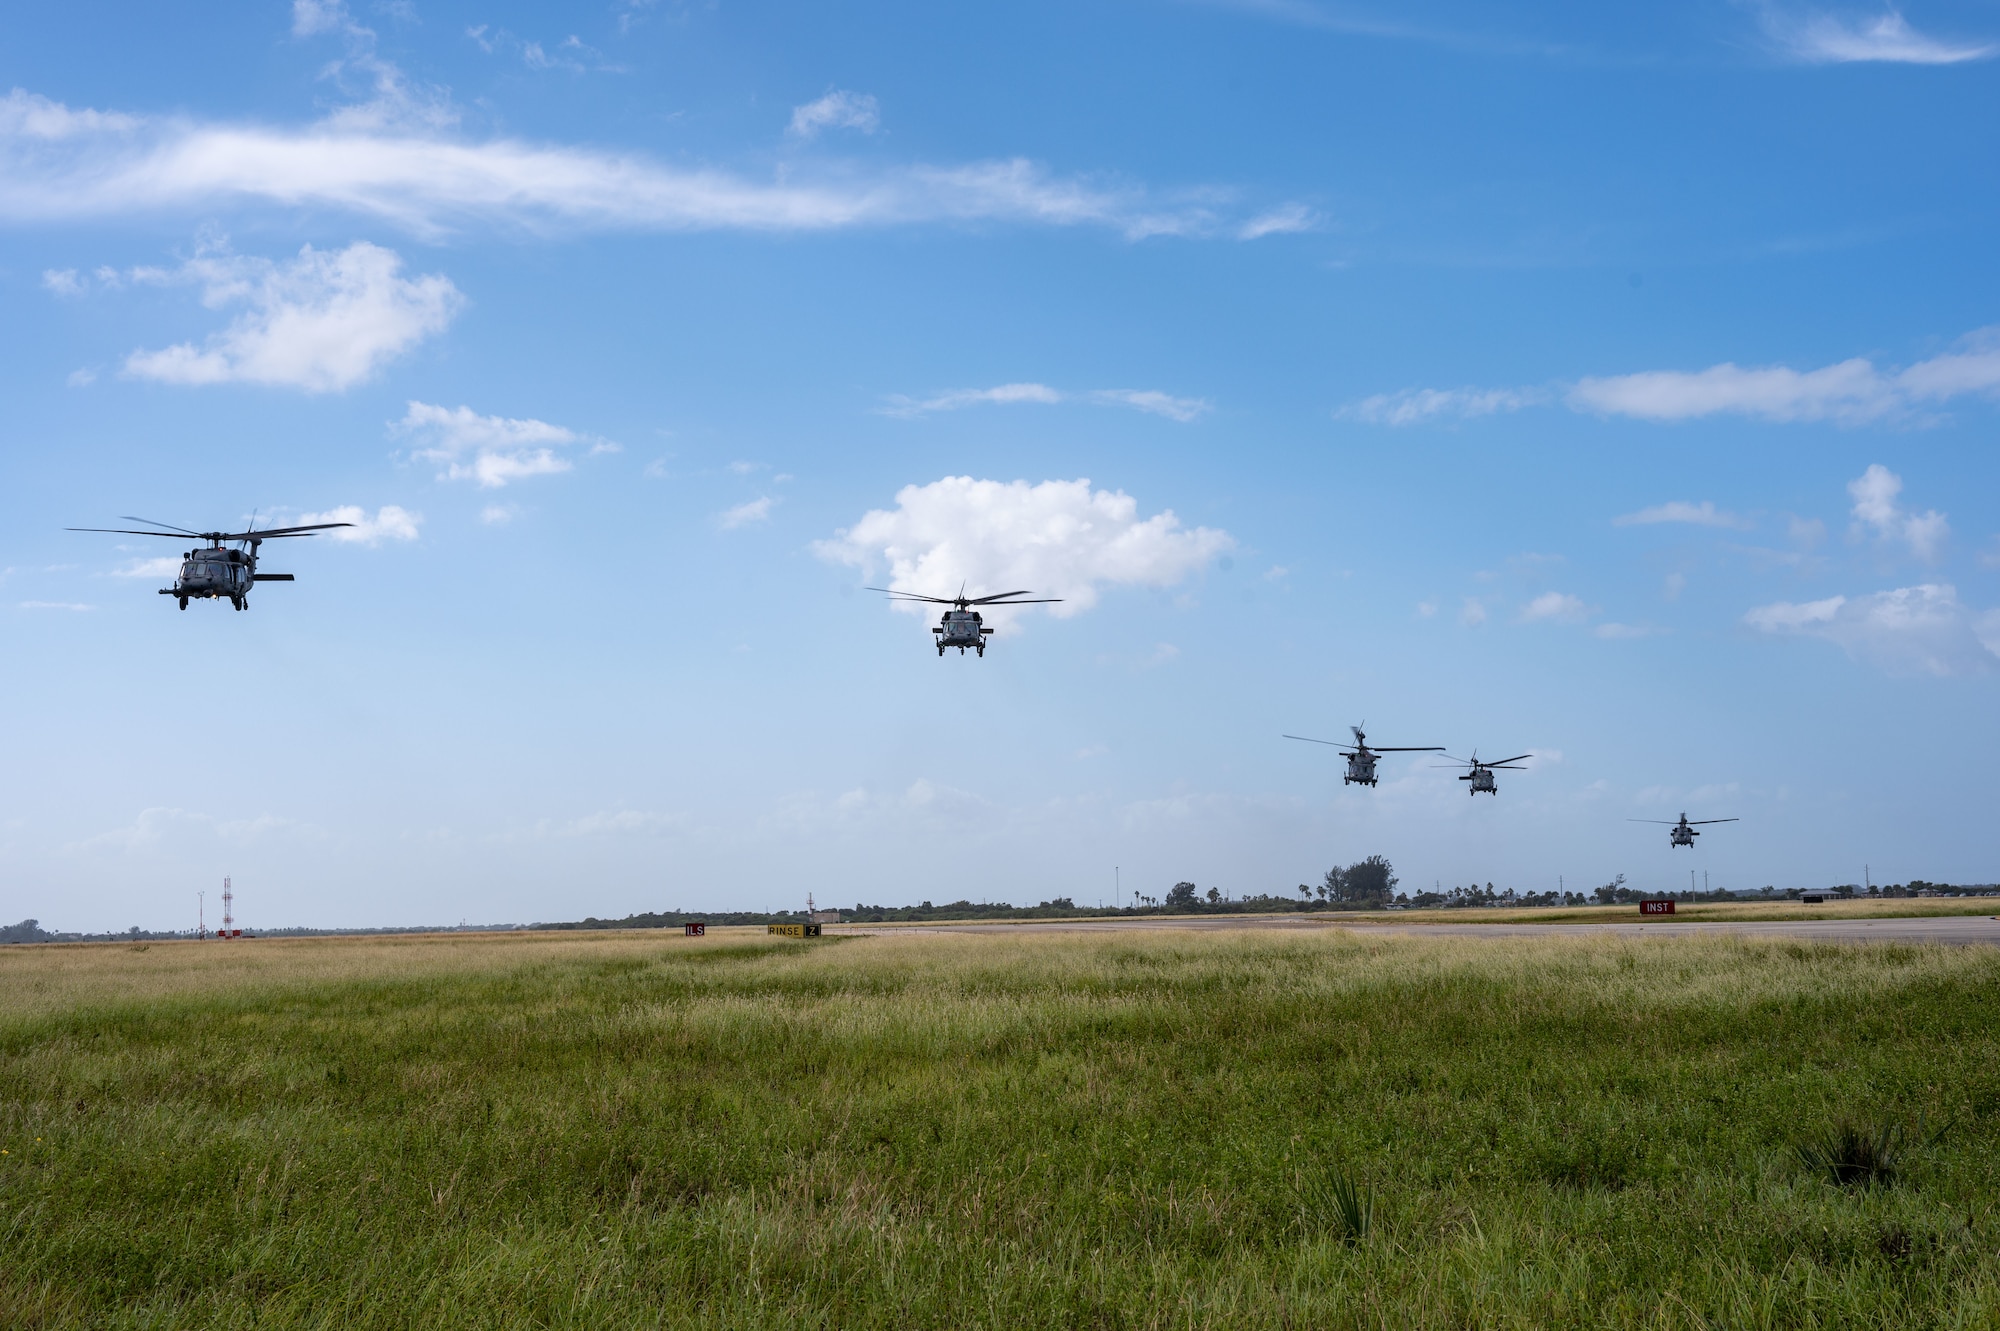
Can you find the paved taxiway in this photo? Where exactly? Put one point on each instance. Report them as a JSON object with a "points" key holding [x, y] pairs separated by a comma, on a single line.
{"points": [[1958, 929]]}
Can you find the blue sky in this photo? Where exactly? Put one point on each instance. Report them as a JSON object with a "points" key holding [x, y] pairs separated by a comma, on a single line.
{"points": [[1614, 383]]}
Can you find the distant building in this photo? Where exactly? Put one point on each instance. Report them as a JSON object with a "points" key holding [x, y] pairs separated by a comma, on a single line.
{"points": [[826, 917]]}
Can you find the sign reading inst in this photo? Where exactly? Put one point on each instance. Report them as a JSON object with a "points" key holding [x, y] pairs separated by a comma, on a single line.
{"points": [[1656, 908]]}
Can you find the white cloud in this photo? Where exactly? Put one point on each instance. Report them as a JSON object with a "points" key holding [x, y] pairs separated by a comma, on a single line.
{"points": [[163, 566], [757, 510], [1159, 404], [1472, 613], [1059, 538], [1415, 405], [1704, 514], [1139, 399], [1818, 38], [82, 378], [324, 321], [55, 605], [1921, 630], [311, 18], [1285, 219], [396, 157], [1625, 631], [62, 281], [1852, 392], [491, 450], [836, 110], [1554, 607], [497, 515], [1874, 493], [390, 523]]}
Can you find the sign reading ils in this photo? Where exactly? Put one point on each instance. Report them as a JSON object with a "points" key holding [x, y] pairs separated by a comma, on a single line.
{"points": [[696, 928], [1656, 908]]}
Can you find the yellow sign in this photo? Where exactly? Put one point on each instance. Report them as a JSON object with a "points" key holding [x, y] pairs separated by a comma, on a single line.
{"points": [[793, 930]]}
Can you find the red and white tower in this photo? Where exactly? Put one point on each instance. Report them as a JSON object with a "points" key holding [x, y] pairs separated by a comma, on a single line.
{"points": [[229, 929]]}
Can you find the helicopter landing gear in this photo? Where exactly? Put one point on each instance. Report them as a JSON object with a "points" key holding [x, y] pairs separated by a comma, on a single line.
{"points": [[184, 602], [236, 601]]}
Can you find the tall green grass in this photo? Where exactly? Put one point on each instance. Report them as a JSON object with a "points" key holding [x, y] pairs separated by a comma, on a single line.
{"points": [[1159, 1130]]}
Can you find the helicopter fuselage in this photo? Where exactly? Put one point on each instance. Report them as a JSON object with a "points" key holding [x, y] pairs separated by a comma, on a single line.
{"points": [[218, 574], [961, 629], [1682, 835], [1482, 780], [1360, 768]]}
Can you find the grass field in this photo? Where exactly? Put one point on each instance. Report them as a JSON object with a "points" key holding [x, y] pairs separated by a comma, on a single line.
{"points": [[1864, 908], [1146, 1130]]}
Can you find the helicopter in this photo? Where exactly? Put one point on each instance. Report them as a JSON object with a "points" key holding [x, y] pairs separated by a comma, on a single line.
{"points": [[961, 626], [214, 572], [1481, 775], [1361, 758], [1683, 833]]}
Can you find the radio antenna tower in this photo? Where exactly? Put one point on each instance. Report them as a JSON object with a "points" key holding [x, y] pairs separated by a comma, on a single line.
{"points": [[228, 899]]}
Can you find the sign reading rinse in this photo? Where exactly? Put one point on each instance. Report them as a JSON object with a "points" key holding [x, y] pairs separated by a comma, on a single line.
{"points": [[794, 930]]}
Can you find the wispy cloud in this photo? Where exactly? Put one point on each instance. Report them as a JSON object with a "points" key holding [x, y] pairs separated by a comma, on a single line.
{"points": [[1620, 632], [1875, 509], [1815, 37], [1852, 392], [321, 322], [1921, 630], [743, 515], [396, 157], [1556, 608], [490, 450], [1414, 406], [836, 110], [55, 605], [1284, 220], [1704, 514], [1147, 400]]}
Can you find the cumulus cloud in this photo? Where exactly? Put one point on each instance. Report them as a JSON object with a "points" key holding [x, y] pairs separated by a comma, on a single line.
{"points": [[398, 157], [1414, 406], [390, 523], [1555, 607], [1704, 514], [1059, 538], [1921, 630], [1820, 38], [490, 450], [836, 110], [1875, 508], [1139, 399], [1853, 392], [322, 322]]}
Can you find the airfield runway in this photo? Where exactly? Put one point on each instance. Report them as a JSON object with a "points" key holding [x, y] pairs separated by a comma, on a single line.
{"points": [[1956, 929]]}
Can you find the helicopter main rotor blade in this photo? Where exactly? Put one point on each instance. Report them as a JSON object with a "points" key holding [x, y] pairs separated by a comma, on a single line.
{"points": [[1002, 600], [1663, 822], [1702, 821], [1420, 748], [1515, 759], [123, 531], [270, 532], [911, 596], [133, 517], [1310, 740]]}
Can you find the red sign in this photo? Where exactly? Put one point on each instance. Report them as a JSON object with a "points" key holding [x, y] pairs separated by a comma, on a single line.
{"points": [[1656, 908], [696, 930]]}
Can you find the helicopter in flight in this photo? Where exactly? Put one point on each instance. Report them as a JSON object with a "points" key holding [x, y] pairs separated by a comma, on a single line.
{"points": [[1480, 774], [961, 626], [215, 572], [1683, 833], [1360, 758]]}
